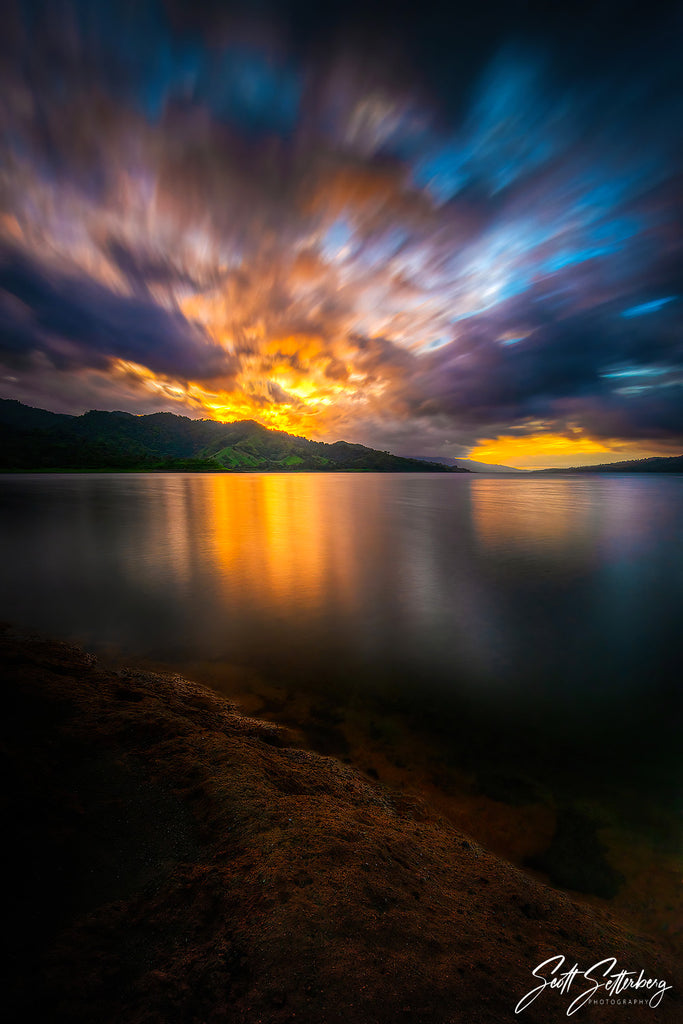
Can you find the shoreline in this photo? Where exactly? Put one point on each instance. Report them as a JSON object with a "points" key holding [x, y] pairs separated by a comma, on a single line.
{"points": [[179, 861]]}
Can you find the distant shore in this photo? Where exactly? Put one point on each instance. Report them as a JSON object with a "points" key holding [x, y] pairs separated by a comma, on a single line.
{"points": [[178, 861]]}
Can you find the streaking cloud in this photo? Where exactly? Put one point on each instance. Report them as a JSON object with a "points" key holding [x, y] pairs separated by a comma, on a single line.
{"points": [[203, 216]]}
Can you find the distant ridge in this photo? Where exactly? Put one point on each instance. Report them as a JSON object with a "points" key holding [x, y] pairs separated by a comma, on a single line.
{"points": [[25, 417], [469, 464], [656, 464], [37, 440]]}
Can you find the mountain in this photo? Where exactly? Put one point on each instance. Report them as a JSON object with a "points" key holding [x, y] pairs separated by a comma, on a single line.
{"points": [[24, 417], [34, 439], [469, 464], [657, 464]]}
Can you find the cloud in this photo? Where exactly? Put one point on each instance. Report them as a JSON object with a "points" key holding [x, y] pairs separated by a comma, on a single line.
{"points": [[209, 212], [77, 322]]}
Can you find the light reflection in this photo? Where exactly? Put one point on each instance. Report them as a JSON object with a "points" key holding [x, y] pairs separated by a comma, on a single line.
{"points": [[538, 515], [468, 583], [274, 537], [172, 546]]}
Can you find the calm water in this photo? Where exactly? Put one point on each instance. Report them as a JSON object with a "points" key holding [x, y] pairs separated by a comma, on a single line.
{"points": [[554, 602]]}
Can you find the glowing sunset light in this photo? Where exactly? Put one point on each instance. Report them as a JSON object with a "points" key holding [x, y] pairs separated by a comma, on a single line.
{"points": [[542, 451]]}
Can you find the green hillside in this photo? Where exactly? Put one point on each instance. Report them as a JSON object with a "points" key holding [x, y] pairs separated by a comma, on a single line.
{"points": [[34, 439]]}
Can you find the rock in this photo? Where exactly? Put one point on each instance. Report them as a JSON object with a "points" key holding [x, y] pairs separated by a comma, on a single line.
{"points": [[175, 862]]}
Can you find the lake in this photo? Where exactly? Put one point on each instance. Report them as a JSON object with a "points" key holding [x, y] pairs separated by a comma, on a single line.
{"points": [[528, 623], [502, 587]]}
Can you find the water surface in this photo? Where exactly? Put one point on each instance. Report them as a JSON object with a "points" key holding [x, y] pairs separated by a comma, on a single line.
{"points": [[546, 607]]}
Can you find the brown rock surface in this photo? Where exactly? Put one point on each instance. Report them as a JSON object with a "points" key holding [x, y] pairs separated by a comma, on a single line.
{"points": [[175, 861]]}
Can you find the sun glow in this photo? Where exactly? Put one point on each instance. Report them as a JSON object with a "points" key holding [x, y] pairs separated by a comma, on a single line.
{"points": [[542, 451]]}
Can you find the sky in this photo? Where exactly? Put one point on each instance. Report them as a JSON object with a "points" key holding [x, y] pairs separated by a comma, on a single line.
{"points": [[430, 229]]}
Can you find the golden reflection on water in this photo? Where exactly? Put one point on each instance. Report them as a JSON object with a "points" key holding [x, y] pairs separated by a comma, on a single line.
{"points": [[282, 539], [537, 514]]}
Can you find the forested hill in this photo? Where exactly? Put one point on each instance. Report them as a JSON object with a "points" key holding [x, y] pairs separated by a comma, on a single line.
{"points": [[34, 439], [657, 464]]}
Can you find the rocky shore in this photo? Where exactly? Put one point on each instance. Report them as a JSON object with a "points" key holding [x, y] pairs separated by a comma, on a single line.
{"points": [[175, 861]]}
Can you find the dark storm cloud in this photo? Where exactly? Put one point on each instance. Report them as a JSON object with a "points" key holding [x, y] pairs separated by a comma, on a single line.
{"points": [[78, 322], [618, 377], [143, 269]]}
